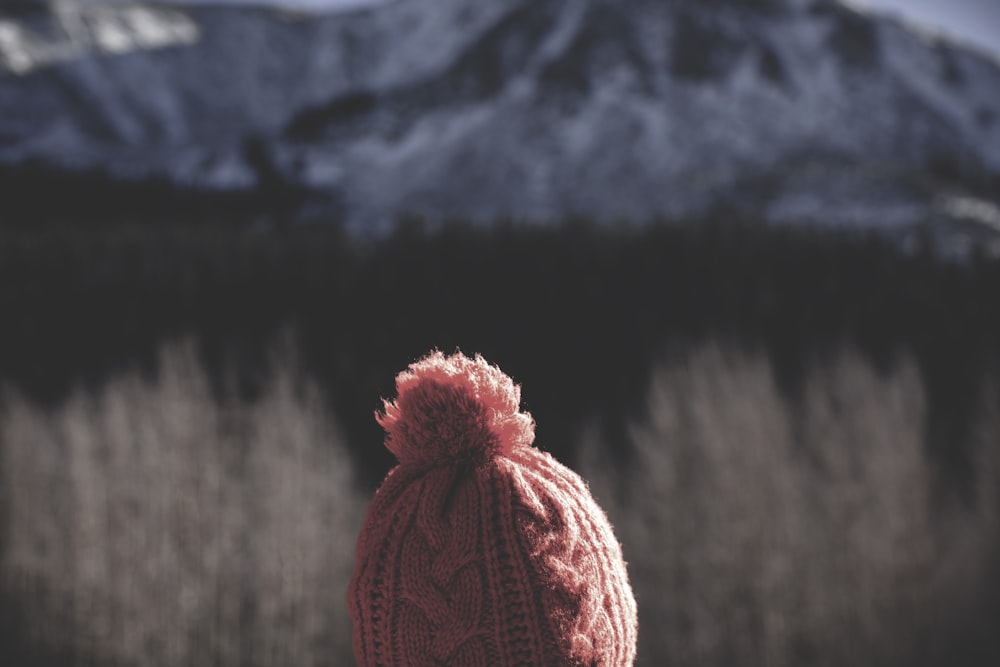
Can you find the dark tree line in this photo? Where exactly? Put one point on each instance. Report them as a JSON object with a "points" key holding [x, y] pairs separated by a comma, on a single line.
{"points": [[577, 313]]}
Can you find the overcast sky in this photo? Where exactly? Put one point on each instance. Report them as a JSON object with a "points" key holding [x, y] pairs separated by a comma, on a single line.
{"points": [[975, 21]]}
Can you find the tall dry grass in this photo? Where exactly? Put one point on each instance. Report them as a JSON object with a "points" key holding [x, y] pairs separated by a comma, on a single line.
{"points": [[151, 524], [767, 532]]}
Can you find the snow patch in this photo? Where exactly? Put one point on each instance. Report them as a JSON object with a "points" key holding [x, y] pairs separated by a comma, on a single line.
{"points": [[84, 29], [972, 209]]}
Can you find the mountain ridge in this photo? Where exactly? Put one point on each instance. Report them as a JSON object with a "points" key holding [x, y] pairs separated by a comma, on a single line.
{"points": [[540, 110]]}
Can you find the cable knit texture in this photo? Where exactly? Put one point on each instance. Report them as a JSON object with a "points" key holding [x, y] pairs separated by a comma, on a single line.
{"points": [[478, 549]]}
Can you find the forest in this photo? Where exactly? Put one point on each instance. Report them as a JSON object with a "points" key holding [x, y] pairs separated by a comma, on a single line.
{"points": [[796, 431]]}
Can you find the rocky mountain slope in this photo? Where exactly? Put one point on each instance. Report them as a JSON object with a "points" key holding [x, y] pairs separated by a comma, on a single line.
{"points": [[787, 111]]}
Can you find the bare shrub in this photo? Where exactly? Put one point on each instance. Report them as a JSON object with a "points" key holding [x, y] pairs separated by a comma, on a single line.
{"points": [[762, 534], [970, 570], [151, 525]]}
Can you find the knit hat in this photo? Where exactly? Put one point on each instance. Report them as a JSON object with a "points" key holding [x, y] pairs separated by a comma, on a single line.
{"points": [[479, 549]]}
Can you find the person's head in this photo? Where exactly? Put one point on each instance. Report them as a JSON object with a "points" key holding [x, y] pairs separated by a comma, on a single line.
{"points": [[479, 549]]}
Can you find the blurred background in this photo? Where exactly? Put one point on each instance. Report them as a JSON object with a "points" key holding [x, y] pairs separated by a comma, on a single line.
{"points": [[742, 255]]}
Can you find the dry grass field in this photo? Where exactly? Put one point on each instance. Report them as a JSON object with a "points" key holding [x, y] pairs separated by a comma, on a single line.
{"points": [[150, 522]]}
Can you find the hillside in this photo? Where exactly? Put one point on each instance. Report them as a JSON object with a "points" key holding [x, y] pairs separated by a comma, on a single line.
{"points": [[798, 111]]}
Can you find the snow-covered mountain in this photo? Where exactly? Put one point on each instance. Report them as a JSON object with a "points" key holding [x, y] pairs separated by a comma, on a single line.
{"points": [[794, 110]]}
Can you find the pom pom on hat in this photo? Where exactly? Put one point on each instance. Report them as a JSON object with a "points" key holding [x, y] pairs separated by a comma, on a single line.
{"points": [[464, 564], [452, 409]]}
